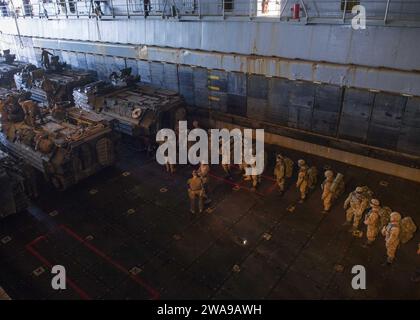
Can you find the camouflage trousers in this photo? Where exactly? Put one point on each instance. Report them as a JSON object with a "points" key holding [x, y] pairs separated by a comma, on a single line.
{"points": [[281, 182], [371, 233], [193, 195], [255, 181], [227, 169], [170, 167], [303, 188], [328, 200], [391, 249], [352, 214]]}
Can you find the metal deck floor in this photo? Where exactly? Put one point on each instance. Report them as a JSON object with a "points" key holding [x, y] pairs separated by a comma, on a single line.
{"points": [[131, 236]]}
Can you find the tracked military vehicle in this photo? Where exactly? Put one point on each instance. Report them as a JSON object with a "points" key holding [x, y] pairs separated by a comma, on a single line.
{"points": [[54, 84], [16, 185], [66, 144], [8, 67], [135, 109]]}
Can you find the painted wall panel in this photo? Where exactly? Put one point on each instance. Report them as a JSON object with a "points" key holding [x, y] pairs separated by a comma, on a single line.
{"points": [[170, 76], [325, 122], [409, 140], [388, 110], [236, 104], [383, 136], [144, 71], [411, 116], [258, 87], [201, 94], [256, 108], [131, 63], [186, 83], [236, 83], [156, 72], [327, 98]]}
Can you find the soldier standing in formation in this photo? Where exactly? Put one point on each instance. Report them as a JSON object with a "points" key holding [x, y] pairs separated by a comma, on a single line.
{"points": [[169, 163], [280, 172], [195, 191], [255, 178], [302, 182], [327, 193], [203, 173], [332, 188], [227, 167], [243, 168], [372, 222], [392, 236], [355, 204]]}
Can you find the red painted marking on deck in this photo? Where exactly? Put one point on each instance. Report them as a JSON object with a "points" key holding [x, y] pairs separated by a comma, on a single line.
{"points": [[235, 184], [268, 191], [48, 264], [271, 188], [154, 294]]}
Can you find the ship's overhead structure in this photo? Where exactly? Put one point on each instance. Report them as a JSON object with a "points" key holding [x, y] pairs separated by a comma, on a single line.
{"points": [[65, 144], [136, 110], [51, 85], [16, 185]]}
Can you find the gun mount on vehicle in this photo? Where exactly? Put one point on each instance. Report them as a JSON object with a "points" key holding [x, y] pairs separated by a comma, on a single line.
{"points": [[51, 85], [136, 110], [65, 144], [8, 67]]}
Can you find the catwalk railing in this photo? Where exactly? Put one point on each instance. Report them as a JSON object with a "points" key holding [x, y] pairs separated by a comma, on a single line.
{"points": [[402, 12]]}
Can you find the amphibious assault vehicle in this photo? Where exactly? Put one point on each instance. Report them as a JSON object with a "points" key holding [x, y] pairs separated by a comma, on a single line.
{"points": [[135, 109], [65, 144], [8, 67], [52, 85], [17, 185]]}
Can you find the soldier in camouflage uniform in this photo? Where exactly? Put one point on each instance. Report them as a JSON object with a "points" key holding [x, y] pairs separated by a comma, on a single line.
{"points": [[243, 168], [355, 204], [170, 167], [169, 163], [372, 222], [203, 173], [280, 172], [196, 191], [392, 236], [256, 178], [227, 168], [302, 182], [327, 193]]}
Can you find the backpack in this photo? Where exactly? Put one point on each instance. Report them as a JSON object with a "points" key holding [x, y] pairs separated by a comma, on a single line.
{"points": [[337, 187], [384, 215], [408, 228], [289, 167], [312, 176], [367, 193]]}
